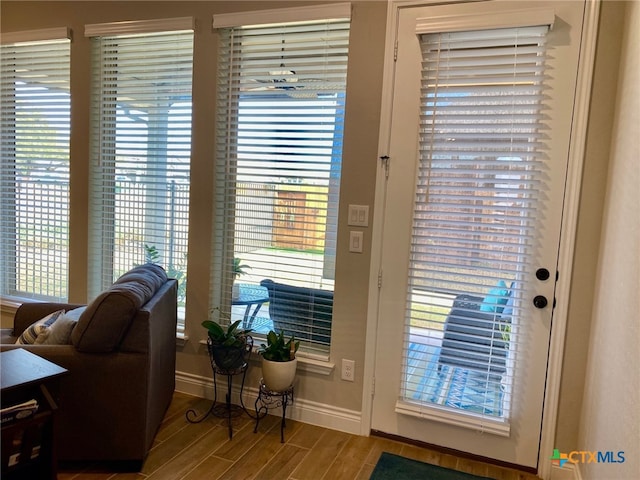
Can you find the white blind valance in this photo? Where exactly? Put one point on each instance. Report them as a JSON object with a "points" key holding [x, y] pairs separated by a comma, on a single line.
{"points": [[140, 26], [489, 20], [55, 33], [280, 16]]}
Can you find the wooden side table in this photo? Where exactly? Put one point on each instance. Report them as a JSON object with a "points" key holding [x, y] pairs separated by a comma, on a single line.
{"points": [[28, 443], [269, 399]]}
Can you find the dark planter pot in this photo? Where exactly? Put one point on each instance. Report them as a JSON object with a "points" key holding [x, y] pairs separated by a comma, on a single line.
{"points": [[230, 357]]}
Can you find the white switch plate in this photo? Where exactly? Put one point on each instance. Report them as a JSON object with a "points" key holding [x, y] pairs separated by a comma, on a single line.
{"points": [[355, 241], [358, 215]]}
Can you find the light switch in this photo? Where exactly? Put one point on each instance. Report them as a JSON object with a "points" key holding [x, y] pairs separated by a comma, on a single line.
{"points": [[355, 241], [358, 215]]}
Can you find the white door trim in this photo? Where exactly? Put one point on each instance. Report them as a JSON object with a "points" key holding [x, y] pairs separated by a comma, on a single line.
{"points": [[569, 223], [569, 230]]}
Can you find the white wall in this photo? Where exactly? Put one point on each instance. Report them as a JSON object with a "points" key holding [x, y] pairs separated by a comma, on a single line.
{"points": [[610, 418]]}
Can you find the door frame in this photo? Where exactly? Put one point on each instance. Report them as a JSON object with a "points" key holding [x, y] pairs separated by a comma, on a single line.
{"points": [[568, 227]]}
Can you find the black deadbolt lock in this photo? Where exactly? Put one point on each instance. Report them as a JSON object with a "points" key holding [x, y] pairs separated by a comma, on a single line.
{"points": [[542, 274], [539, 301]]}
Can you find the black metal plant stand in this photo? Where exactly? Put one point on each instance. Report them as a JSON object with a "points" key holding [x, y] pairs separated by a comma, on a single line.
{"points": [[227, 409], [269, 399]]}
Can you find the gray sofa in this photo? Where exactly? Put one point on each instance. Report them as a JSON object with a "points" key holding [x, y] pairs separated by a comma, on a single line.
{"points": [[121, 361]]}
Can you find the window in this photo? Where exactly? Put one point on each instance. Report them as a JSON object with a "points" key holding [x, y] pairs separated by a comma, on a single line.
{"points": [[34, 175], [281, 99], [140, 149], [481, 173]]}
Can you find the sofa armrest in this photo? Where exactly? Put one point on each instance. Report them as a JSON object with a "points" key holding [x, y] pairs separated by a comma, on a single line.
{"points": [[28, 313]]}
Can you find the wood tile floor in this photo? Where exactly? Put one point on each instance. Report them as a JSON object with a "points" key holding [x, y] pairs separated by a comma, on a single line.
{"points": [[186, 451]]}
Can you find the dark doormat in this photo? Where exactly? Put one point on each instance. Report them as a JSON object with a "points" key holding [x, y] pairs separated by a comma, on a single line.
{"points": [[394, 467]]}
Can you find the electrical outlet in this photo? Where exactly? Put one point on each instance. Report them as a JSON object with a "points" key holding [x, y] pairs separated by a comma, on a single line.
{"points": [[348, 369]]}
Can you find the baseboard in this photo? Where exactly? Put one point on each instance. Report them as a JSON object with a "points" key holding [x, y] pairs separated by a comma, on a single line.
{"points": [[306, 411], [569, 471]]}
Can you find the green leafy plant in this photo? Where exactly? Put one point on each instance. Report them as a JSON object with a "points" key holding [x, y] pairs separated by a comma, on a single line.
{"points": [[238, 267], [231, 337], [228, 348], [505, 331], [151, 254], [278, 348], [179, 272]]}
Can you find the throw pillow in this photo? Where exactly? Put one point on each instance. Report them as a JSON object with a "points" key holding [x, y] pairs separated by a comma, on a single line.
{"points": [[39, 330], [496, 299], [60, 331]]}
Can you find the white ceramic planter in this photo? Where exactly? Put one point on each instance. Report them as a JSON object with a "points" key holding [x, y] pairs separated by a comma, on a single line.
{"points": [[279, 376]]}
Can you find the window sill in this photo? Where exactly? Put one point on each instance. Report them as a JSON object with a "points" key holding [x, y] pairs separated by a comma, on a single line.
{"points": [[312, 365], [181, 339], [305, 363], [475, 422]]}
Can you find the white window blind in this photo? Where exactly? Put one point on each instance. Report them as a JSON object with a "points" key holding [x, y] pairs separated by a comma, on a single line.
{"points": [[34, 175], [140, 154], [482, 154], [281, 99]]}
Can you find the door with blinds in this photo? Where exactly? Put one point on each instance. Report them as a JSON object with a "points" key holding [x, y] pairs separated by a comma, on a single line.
{"points": [[478, 151]]}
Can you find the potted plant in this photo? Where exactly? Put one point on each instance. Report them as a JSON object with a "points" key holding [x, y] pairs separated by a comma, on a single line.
{"points": [[229, 347], [237, 270], [279, 361]]}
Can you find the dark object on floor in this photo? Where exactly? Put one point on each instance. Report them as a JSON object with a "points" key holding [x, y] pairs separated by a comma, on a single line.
{"points": [[395, 467]]}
